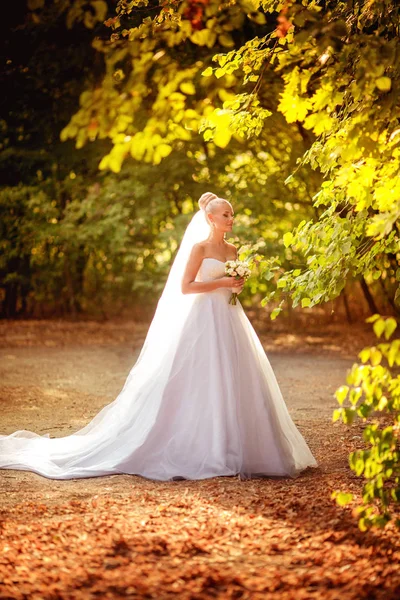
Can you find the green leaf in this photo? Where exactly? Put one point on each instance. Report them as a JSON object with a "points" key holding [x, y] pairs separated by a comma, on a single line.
{"points": [[305, 302], [348, 415], [275, 313]]}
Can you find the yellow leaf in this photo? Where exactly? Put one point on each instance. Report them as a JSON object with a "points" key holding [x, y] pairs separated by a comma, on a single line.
{"points": [[226, 40], [390, 327], [208, 72], [187, 88], [287, 239], [104, 163], [383, 83], [138, 148], [164, 150], [222, 137], [204, 37], [294, 107], [322, 97], [341, 393], [115, 164], [376, 356]]}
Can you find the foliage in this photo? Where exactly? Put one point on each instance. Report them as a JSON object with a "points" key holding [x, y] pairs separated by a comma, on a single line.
{"points": [[153, 97], [88, 12], [43, 83], [372, 389], [84, 246], [185, 68], [220, 88], [65, 250], [334, 249], [341, 75], [46, 65]]}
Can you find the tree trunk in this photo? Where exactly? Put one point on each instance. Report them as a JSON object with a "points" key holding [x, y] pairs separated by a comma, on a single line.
{"points": [[71, 301], [9, 305], [388, 297], [368, 296], [347, 306]]}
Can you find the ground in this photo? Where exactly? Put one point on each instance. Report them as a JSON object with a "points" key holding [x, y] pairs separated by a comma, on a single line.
{"points": [[125, 536]]}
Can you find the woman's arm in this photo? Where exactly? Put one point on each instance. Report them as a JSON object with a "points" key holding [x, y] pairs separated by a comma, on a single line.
{"points": [[190, 286]]}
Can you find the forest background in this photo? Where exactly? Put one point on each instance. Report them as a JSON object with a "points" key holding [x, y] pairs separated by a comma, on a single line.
{"points": [[300, 132], [117, 116]]}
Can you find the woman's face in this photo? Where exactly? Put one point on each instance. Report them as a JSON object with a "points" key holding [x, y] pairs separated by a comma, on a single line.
{"points": [[222, 216]]}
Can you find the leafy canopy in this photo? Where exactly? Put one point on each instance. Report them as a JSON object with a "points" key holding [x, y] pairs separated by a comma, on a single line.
{"points": [[180, 71]]}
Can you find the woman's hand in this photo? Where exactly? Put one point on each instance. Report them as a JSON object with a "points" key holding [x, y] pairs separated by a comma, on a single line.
{"points": [[232, 282]]}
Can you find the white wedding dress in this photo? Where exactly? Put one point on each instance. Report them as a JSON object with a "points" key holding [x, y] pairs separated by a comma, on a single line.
{"points": [[201, 404]]}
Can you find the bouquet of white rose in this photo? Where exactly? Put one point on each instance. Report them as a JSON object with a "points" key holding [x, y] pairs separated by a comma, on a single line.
{"points": [[238, 269]]}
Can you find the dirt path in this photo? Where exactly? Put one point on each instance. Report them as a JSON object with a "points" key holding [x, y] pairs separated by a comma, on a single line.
{"points": [[125, 536]]}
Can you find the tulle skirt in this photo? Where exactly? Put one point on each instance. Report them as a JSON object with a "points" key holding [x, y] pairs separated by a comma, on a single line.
{"points": [[203, 403]]}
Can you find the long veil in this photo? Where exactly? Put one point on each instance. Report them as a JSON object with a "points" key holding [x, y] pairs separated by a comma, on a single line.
{"points": [[98, 448]]}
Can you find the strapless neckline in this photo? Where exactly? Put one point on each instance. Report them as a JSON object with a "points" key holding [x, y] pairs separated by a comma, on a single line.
{"points": [[217, 259]]}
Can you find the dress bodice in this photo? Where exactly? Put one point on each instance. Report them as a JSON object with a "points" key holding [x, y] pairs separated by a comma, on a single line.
{"points": [[211, 268]]}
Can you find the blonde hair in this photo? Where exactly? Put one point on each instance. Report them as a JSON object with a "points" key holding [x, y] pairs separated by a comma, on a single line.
{"points": [[209, 201], [205, 200]]}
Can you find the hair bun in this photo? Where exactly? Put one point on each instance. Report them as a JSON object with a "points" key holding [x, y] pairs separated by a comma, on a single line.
{"points": [[206, 199]]}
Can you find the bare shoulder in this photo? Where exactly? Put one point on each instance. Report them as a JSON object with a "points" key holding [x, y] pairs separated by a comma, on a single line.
{"points": [[198, 249], [233, 249]]}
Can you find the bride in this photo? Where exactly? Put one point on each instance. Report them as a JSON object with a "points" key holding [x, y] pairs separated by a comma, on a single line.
{"points": [[201, 400]]}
